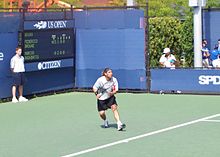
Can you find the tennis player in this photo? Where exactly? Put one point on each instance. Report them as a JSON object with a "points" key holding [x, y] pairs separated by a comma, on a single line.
{"points": [[105, 88], [17, 68]]}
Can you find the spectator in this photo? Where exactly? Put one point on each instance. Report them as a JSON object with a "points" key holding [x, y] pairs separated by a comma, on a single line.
{"points": [[218, 45], [167, 59], [205, 53], [214, 57], [17, 68]]}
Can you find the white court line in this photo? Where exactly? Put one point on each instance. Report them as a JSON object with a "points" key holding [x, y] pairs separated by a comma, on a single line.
{"points": [[212, 121], [140, 136]]}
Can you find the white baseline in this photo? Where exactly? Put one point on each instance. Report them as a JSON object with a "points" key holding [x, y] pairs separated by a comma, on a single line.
{"points": [[140, 136], [216, 121]]}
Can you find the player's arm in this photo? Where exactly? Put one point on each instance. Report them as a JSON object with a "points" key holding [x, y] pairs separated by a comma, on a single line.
{"points": [[114, 88], [95, 89]]}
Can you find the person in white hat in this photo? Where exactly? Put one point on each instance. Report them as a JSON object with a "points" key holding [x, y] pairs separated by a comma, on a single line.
{"points": [[167, 60]]}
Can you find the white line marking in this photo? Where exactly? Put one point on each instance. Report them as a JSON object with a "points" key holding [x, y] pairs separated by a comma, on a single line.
{"points": [[212, 121], [140, 136]]}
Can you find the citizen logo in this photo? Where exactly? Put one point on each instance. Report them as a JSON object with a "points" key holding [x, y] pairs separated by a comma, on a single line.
{"points": [[49, 65], [1, 56]]}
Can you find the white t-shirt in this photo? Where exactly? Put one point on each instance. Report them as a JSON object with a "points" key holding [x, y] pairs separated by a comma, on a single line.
{"points": [[104, 87], [17, 64], [167, 60]]}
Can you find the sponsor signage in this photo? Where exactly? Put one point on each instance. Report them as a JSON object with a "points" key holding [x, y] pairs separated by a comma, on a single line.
{"points": [[209, 79], [49, 65], [43, 25], [186, 80], [1, 56]]}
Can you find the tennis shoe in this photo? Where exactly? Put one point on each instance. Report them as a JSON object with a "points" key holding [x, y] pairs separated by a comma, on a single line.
{"points": [[106, 124], [22, 99], [14, 100], [121, 127]]}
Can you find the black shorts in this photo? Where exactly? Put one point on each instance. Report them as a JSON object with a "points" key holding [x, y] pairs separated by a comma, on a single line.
{"points": [[18, 79], [106, 104]]}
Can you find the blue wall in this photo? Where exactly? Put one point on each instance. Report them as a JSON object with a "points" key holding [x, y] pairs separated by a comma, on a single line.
{"points": [[109, 19], [111, 38], [8, 42], [118, 49], [186, 80], [104, 38], [211, 25]]}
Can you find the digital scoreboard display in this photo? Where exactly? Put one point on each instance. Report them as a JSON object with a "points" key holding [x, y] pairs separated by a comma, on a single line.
{"points": [[46, 45]]}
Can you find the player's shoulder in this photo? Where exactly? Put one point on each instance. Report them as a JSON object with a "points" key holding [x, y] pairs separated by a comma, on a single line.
{"points": [[102, 78], [114, 79]]}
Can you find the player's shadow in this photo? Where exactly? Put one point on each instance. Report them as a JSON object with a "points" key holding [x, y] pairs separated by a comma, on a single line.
{"points": [[113, 125]]}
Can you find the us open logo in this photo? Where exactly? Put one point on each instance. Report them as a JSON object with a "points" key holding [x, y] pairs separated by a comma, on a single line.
{"points": [[1, 56], [41, 25], [49, 65], [51, 24]]}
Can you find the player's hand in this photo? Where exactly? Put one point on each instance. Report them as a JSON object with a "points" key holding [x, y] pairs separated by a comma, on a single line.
{"points": [[112, 93], [98, 96]]}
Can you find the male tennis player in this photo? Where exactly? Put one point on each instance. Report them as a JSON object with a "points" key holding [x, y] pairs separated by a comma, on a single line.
{"points": [[105, 88], [17, 68]]}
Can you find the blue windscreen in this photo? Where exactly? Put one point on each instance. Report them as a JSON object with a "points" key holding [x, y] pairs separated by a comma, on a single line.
{"points": [[211, 25], [120, 49]]}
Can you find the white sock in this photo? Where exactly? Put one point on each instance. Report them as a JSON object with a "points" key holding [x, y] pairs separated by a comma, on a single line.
{"points": [[119, 122]]}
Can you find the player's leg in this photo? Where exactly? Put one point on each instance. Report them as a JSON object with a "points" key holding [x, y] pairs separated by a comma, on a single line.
{"points": [[103, 116], [115, 112], [101, 106], [120, 125]]}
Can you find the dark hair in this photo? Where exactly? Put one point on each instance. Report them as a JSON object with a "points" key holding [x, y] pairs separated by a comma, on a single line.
{"points": [[218, 39], [204, 41], [216, 48], [105, 71]]}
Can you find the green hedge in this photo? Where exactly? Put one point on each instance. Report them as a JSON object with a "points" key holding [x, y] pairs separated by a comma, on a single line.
{"points": [[173, 33]]}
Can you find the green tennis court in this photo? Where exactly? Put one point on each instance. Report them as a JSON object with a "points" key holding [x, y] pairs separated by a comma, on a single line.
{"points": [[68, 125]]}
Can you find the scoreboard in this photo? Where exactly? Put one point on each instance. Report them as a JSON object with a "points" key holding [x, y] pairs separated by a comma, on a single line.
{"points": [[43, 45], [47, 40]]}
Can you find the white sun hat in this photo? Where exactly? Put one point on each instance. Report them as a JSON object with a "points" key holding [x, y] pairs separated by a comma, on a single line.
{"points": [[166, 50]]}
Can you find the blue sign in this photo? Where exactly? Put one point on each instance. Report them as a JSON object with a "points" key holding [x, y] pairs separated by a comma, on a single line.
{"points": [[186, 80], [44, 25], [45, 65]]}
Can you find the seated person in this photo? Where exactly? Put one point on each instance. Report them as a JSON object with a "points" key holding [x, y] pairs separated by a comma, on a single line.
{"points": [[167, 59], [215, 58], [218, 45], [205, 54]]}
